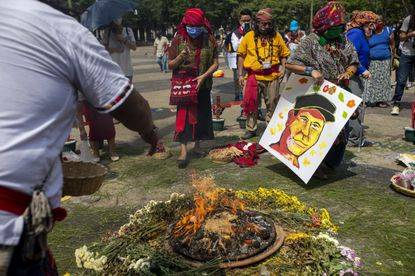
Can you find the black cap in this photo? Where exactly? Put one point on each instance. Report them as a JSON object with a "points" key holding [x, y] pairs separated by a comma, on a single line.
{"points": [[316, 101]]}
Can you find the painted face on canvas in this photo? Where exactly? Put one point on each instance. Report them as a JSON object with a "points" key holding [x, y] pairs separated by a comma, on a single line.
{"points": [[305, 131]]}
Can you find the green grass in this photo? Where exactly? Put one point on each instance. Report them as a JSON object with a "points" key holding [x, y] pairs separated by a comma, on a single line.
{"points": [[373, 219]]}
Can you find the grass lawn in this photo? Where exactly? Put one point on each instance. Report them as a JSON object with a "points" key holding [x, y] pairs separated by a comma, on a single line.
{"points": [[374, 220]]}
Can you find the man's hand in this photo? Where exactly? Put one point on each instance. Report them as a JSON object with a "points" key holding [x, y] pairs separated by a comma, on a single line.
{"points": [[366, 74], [317, 76], [241, 82]]}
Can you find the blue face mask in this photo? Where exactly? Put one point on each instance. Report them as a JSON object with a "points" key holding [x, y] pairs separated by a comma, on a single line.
{"points": [[194, 32]]}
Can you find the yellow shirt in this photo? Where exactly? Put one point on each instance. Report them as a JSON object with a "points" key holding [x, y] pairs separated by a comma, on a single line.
{"points": [[266, 52]]}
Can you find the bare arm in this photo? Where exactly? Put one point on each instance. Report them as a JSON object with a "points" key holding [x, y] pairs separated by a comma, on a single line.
{"points": [[301, 69], [404, 36], [392, 44], [135, 114], [174, 63]]}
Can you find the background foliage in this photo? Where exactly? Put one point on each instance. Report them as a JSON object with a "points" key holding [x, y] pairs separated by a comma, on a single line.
{"points": [[162, 14]]}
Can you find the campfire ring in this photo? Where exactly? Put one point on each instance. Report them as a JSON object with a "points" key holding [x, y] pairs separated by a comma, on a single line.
{"points": [[271, 249]]}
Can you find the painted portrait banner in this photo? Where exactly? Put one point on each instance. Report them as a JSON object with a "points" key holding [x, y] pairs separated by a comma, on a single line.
{"points": [[306, 123]]}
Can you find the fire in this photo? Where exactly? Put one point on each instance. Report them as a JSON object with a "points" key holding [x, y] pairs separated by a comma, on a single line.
{"points": [[207, 198]]}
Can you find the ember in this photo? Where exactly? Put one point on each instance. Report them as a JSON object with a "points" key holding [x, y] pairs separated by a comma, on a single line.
{"points": [[219, 227]]}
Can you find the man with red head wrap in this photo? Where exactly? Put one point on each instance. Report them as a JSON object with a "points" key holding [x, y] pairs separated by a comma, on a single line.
{"points": [[262, 54]]}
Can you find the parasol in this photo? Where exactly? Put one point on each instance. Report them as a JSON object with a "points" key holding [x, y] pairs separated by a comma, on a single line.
{"points": [[103, 12]]}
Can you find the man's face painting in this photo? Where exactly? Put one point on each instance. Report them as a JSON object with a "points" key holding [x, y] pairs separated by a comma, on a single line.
{"points": [[305, 131]]}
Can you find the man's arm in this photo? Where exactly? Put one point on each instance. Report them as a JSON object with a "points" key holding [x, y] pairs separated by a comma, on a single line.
{"points": [[135, 114]]}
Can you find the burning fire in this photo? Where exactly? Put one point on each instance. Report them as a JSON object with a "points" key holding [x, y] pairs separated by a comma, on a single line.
{"points": [[207, 198]]}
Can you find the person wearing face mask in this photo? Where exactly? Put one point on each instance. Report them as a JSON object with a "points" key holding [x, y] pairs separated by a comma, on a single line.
{"points": [[262, 54], [382, 49], [193, 57], [327, 54], [361, 27], [235, 38]]}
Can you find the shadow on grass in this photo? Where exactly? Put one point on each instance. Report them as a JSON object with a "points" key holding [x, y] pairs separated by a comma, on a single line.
{"points": [[341, 173]]}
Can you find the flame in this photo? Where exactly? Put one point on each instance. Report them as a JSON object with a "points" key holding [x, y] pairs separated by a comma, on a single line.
{"points": [[207, 198]]}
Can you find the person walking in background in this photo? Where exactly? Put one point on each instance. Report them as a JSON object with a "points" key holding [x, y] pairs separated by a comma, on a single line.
{"points": [[382, 49], [232, 44], [361, 26], [262, 54], [327, 54], [193, 57], [119, 42], [160, 45], [407, 60], [294, 36]]}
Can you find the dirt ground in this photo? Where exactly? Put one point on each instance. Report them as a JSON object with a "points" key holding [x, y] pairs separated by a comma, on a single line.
{"points": [[373, 219]]}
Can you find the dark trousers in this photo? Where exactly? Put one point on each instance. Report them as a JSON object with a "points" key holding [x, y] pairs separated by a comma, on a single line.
{"points": [[406, 64]]}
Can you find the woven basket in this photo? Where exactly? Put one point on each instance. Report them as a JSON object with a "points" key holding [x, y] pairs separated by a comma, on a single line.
{"points": [[82, 178], [401, 189]]}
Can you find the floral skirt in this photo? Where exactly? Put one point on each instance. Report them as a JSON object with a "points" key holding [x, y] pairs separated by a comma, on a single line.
{"points": [[379, 86]]}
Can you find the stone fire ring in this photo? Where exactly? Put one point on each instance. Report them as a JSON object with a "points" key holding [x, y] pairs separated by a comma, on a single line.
{"points": [[280, 236]]}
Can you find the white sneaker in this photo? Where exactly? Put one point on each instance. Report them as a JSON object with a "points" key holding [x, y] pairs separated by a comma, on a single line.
{"points": [[395, 111]]}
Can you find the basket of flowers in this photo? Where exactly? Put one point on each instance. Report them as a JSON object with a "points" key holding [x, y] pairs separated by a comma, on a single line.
{"points": [[82, 178], [404, 182]]}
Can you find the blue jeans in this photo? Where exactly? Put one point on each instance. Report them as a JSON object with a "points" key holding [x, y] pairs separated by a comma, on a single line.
{"points": [[162, 62], [406, 64]]}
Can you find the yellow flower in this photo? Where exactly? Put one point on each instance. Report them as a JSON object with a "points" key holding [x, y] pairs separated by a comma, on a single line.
{"points": [[297, 236]]}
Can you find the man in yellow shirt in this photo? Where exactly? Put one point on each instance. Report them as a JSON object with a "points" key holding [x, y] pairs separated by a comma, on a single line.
{"points": [[262, 54]]}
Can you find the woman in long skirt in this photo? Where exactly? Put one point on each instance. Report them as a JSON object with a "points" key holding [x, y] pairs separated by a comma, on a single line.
{"points": [[382, 47], [193, 55]]}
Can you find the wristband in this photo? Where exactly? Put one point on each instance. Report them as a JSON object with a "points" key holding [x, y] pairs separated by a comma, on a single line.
{"points": [[308, 70]]}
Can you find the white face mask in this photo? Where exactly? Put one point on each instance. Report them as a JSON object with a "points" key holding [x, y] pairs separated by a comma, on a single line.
{"points": [[118, 21]]}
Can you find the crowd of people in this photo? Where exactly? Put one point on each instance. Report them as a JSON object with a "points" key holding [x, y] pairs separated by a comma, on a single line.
{"points": [[46, 57]]}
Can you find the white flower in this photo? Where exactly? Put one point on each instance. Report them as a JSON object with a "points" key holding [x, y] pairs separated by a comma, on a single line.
{"points": [[327, 237]]}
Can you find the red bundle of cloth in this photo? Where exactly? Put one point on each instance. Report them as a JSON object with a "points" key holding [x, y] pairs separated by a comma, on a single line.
{"points": [[250, 155]]}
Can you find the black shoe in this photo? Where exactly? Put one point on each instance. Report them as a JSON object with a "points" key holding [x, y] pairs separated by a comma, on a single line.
{"points": [[182, 163], [249, 135]]}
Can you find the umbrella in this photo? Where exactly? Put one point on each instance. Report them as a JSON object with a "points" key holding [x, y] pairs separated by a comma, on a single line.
{"points": [[103, 12]]}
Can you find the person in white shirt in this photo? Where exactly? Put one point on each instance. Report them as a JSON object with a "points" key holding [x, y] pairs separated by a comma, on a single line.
{"points": [[161, 43], [120, 41], [245, 23], [45, 57]]}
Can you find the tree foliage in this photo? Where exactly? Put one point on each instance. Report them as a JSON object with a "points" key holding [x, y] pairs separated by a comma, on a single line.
{"points": [[161, 14]]}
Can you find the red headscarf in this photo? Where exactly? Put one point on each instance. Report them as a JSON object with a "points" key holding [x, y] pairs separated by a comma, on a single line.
{"points": [[333, 14], [193, 17]]}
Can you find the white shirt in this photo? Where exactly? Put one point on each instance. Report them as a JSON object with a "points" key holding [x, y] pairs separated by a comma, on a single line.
{"points": [[161, 45], [123, 59], [232, 57], [44, 56], [407, 47]]}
